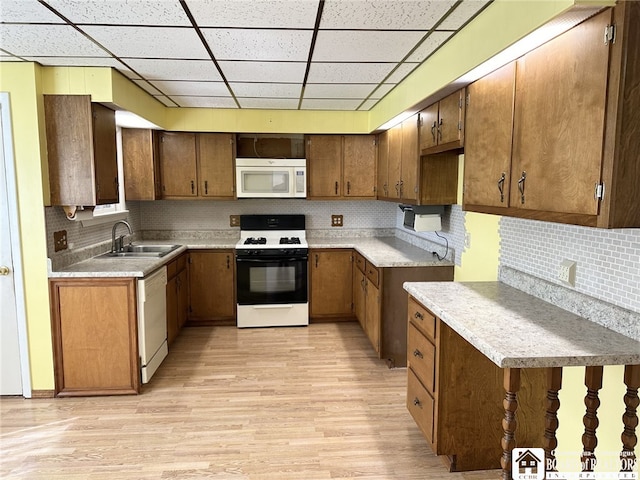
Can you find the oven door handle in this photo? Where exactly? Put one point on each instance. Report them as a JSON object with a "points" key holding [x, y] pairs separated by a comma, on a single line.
{"points": [[272, 259]]}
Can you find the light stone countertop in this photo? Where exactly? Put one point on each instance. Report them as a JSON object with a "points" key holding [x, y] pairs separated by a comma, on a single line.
{"points": [[381, 251], [516, 330]]}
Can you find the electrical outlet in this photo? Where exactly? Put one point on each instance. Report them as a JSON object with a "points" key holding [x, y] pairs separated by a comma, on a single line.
{"points": [[336, 220], [60, 240], [567, 272], [467, 240], [234, 220]]}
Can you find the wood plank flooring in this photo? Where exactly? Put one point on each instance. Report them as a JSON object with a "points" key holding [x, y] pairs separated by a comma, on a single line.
{"points": [[252, 404]]}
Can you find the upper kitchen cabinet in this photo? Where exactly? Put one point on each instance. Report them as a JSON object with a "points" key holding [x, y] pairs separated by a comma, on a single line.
{"points": [[575, 129], [489, 125], [81, 147], [141, 164], [442, 124], [197, 165], [341, 166]]}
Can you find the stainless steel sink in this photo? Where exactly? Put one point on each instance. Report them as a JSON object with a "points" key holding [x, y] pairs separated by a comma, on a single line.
{"points": [[143, 251]]}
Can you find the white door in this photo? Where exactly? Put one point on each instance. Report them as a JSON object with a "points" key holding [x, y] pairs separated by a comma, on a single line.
{"points": [[11, 372]]}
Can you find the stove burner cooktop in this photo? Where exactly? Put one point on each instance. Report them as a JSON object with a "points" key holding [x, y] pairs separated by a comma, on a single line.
{"points": [[255, 241], [289, 241]]}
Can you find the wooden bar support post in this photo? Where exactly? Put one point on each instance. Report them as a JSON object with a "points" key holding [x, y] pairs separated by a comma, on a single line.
{"points": [[509, 423], [630, 418], [593, 382], [554, 383]]}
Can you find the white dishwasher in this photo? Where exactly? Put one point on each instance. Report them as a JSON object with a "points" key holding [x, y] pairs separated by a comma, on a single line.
{"points": [[152, 322]]}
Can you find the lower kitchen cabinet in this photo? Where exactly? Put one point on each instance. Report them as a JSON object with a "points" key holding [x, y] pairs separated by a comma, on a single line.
{"points": [[95, 336], [330, 283], [454, 394], [380, 304], [212, 287], [177, 296]]}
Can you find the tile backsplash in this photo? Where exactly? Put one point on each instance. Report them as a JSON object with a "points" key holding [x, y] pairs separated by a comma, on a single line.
{"points": [[607, 261]]}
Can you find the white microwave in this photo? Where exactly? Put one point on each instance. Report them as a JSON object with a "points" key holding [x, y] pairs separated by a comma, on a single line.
{"points": [[271, 177]]}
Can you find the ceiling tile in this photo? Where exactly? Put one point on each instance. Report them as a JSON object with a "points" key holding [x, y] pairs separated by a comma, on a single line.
{"points": [[147, 87], [273, 90], [271, 103], [27, 11], [165, 101], [254, 13], [367, 105], [348, 72], [78, 61], [149, 42], [213, 89], [277, 72], [338, 90], [402, 71], [465, 11], [382, 90], [122, 12], [47, 41], [330, 104], [383, 14], [205, 102], [244, 44], [431, 43], [368, 46], [175, 69]]}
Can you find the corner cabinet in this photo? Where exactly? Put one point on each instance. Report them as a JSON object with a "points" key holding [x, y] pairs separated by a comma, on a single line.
{"points": [[177, 296], [81, 150], [330, 284], [341, 166], [197, 165], [455, 393], [95, 336], [212, 286], [141, 164], [575, 129]]}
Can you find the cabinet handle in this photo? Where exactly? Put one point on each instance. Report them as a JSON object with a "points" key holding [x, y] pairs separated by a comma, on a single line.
{"points": [[417, 353], [440, 131], [206, 187], [385, 189], [228, 262], [348, 188], [316, 260], [398, 188], [401, 188], [362, 283], [336, 188], [433, 131], [501, 187], [193, 187], [523, 177], [418, 315], [417, 402]]}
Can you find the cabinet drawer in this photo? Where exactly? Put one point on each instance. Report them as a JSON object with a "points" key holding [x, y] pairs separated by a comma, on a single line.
{"points": [[373, 274], [422, 318], [172, 269], [360, 262], [421, 357], [181, 263], [420, 405]]}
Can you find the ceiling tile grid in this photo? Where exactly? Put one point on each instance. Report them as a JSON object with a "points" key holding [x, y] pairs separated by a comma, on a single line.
{"points": [[264, 54]]}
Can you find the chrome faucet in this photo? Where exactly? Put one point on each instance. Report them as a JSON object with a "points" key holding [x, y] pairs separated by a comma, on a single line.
{"points": [[117, 243]]}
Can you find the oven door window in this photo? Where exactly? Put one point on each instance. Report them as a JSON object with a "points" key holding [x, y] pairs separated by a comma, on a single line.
{"points": [[263, 282], [266, 181]]}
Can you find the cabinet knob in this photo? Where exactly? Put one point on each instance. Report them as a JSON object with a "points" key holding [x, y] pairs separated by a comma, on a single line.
{"points": [[418, 315], [417, 353], [4, 270], [417, 402]]}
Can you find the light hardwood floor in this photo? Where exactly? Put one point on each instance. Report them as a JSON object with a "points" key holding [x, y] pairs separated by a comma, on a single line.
{"points": [[256, 404]]}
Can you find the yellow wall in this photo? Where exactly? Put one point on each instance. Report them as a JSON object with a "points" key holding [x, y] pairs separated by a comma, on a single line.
{"points": [[23, 81]]}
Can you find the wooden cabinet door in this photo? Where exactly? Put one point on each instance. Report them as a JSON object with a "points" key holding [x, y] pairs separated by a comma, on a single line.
{"points": [[359, 170], [429, 127], [559, 121], [451, 120], [211, 285], [104, 154], [182, 303], [395, 160], [359, 301], [141, 164], [331, 282], [489, 129], [324, 166], [95, 336], [372, 313], [172, 310], [382, 184], [216, 165], [178, 164], [410, 160]]}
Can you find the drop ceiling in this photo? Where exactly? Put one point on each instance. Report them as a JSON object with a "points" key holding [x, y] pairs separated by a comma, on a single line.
{"points": [[299, 54]]}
